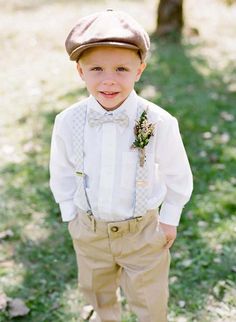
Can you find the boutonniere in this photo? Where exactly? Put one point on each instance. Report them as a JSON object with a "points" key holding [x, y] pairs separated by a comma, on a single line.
{"points": [[143, 131]]}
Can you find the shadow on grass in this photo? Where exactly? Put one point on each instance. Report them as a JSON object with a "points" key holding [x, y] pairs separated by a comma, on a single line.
{"points": [[208, 135], [49, 268]]}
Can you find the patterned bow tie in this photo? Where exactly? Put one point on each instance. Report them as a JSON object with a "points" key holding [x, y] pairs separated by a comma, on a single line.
{"points": [[97, 119]]}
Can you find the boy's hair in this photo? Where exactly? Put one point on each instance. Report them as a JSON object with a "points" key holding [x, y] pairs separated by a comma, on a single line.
{"points": [[88, 49], [107, 28]]}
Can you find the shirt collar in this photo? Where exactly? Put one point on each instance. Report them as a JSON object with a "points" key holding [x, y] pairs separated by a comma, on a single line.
{"points": [[129, 106]]}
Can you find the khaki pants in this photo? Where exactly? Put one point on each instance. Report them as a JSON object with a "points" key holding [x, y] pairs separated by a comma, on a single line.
{"points": [[129, 254]]}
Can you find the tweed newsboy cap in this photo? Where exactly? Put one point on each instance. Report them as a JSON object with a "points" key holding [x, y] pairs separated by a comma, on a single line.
{"points": [[107, 28]]}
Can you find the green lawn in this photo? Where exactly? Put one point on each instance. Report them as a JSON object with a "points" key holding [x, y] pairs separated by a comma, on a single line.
{"points": [[189, 80]]}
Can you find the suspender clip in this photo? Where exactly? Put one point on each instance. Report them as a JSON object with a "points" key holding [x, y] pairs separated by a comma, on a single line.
{"points": [[79, 173], [141, 183], [92, 219]]}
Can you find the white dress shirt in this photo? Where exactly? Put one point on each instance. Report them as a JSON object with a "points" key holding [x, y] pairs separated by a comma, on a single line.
{"points": [[110, 164]]}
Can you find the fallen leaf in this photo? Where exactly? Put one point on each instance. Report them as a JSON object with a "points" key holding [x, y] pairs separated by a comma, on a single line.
{"points": [[187, 262], [217, 260], [181, 319], [224, 138], [202, 154], [87, 312], [212, 187], [17, 307], [227, 116], [207, 135], [3, 301], [94, 318], [6, 234], [220, 311], [202, 224], [182, 304], [173, 279], [220, 166], [214, 129], [233, 180]]}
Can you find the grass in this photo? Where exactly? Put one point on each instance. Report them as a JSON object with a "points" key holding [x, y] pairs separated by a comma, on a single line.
{"points": [[189, 80]]}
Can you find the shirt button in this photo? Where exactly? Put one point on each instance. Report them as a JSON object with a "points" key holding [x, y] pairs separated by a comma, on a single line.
{"points": [[114, 229]]}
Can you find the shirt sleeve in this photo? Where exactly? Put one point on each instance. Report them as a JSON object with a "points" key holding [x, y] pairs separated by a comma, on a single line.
{"points": [[62, 170], [175, 169]]}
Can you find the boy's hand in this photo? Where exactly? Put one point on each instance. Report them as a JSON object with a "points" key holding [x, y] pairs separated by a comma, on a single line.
{"points": [[170, 233]]}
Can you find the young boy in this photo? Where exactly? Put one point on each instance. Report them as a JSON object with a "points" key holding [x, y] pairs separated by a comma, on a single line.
{"points": [[115, 158]]}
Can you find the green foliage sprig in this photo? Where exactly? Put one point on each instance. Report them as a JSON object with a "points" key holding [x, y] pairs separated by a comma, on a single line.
{"points": [[143, 132]]}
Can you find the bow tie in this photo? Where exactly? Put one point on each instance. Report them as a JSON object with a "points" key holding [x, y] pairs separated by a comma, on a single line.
{"points": [[97, 119]]}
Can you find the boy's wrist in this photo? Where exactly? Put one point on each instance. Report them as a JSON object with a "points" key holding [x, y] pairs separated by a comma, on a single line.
{"points": [[68, 210], [170, 214], [170, 233], [167, 225]]}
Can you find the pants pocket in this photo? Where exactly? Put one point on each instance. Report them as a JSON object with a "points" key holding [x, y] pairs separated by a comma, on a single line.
{"points": [[73, 227], [157, 235], [161, 231]]}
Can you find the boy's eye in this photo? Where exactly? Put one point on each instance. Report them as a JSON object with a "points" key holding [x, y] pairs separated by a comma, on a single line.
{"points": [[96, 69], [122, 69]]}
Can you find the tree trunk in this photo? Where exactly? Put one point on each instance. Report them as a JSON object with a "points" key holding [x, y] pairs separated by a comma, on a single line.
{"points": [[169, 17]]}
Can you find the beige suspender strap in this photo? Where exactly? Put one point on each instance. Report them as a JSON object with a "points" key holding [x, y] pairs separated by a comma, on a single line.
{"points": [[141, 193], [79, 120]]}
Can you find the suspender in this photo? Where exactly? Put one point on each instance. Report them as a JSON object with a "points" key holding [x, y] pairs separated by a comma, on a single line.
{"points": [[79, 120], [141, 193]]}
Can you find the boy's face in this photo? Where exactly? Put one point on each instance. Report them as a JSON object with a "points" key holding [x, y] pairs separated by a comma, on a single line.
{"points": [[110, 74]]}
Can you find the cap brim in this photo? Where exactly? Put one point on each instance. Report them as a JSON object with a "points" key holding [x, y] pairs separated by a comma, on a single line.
{"points": [[76, 53]]}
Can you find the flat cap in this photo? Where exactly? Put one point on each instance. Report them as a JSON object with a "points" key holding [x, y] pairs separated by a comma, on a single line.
{"points": [[107, 28]]}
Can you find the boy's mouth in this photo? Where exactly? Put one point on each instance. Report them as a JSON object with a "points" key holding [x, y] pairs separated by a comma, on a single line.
{"points": [[109, 94]]}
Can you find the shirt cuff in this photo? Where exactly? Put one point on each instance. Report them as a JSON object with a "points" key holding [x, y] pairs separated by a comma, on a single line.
{"points": [[68, 210], [170, 214]]}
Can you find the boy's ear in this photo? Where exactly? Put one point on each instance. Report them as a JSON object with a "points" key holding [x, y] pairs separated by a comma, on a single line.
{"points": [[80, 71], [140, 70]]}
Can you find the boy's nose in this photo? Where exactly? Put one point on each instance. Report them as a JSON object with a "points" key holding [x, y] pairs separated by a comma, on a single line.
{"points": [[108, 81]]}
